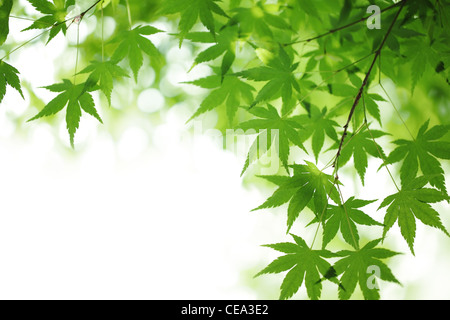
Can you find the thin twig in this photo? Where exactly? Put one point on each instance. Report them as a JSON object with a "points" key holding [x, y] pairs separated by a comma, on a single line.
{"points": [[348, 218], [340, 28], [365, 81]]}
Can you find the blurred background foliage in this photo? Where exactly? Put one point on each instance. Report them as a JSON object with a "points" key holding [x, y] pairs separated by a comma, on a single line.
{"points": [[162, 86]]}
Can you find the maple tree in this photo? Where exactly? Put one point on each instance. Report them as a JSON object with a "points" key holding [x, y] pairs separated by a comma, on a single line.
{"points": [[311, 79]]}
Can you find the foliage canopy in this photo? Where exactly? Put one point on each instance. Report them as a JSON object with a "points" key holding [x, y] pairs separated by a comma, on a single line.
{"points": [[313, 78]]}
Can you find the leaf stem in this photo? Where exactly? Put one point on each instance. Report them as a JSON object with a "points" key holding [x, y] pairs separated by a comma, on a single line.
{"points": [[76, 59], [28, 19], [347, 217], [335, 182], [397, 111], [103, 34], [129, 14]]}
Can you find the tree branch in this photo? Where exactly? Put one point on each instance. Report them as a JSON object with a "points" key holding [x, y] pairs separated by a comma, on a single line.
{"points": [[363, 85]]}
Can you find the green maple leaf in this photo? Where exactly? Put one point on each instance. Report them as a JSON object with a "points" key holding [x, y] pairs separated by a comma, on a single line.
{"points": [[131, 45], [423, 150], [360, 145], [5, 10], [8, 76], [192, 10], [230, 92], [105, 3], [55, 14], [224, 43], [344, 218], [307, 186], [271, 128], [304, 265], [411, 203], [279, 77], [361, 266], [317, 124], [76, 98], [103, 74], [307, 7], [421, 53]]}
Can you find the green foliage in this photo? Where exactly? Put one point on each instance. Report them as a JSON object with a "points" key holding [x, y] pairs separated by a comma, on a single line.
{"points": [[131, 45], [310, 80], [225, 42], [359, 145], [308, 185], [316, 124], [423, 150], [191, 11], [344, 218], [271, 127], [230, 91], [54, 16], [5, 10], [411, 203], [279, 76], [103, 73], [8, 75]]}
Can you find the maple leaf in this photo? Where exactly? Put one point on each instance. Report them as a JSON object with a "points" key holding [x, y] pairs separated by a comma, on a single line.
{"points": [[105, 3], [360, 145], [317, 124], [5, 10], [103, 74], [230, 92], [344, 218], [76, 98], [225, 42], [307, 186], [257, 21], [55, 15], [423, 150], [191, 11], [279, 75], [8, 76], [411, 203], [303, 264], [372, 106], [132, 43], [422, 52], [271, 127], [357, 267]]}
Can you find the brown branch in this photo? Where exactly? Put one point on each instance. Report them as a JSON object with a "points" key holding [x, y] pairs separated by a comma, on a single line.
{"points": [[363, 85]]}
